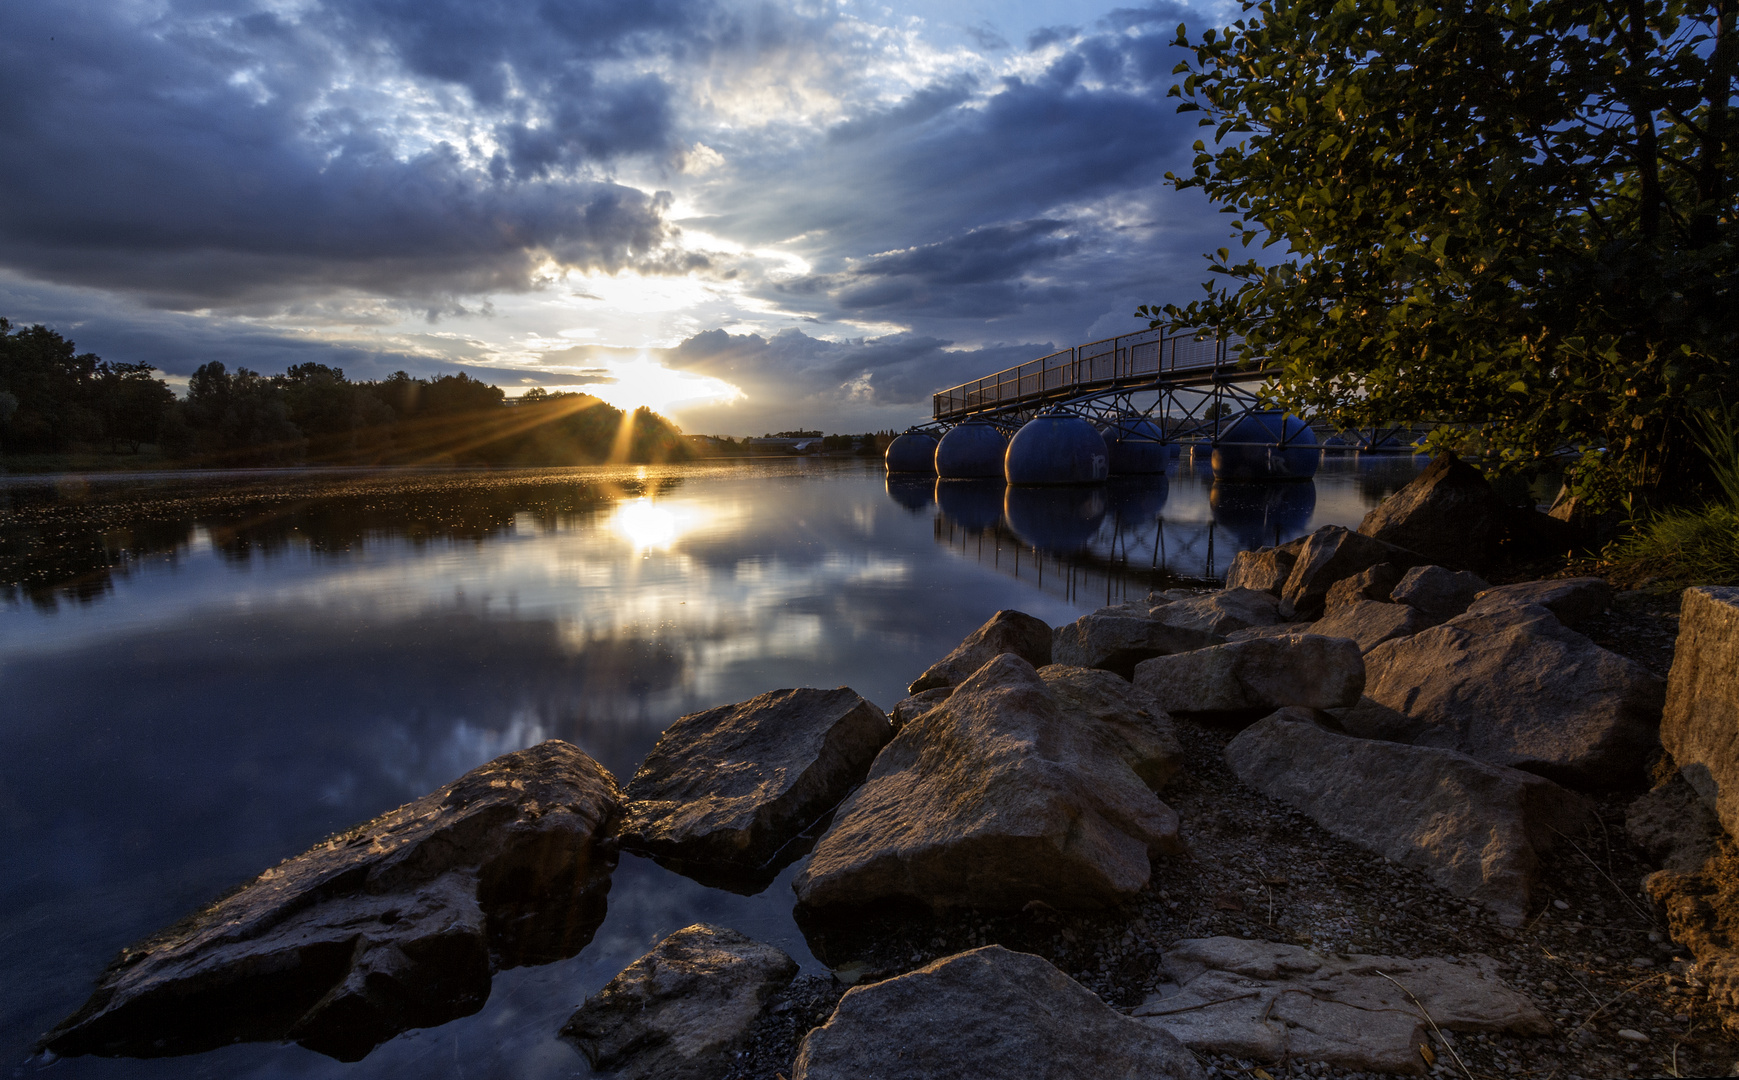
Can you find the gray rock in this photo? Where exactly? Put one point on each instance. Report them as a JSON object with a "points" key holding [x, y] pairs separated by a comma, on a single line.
{"points": [[1518, 688], [1272, 1002], [1117, 642], [394, 924], [1474, 828], [726, 789], [681, 1011], [1332, 554], [1221, 613], [1278, 630], [1700, 728], [1370, 720], [1570, 599], [1265, 569], [1005, 632], [1372, 584], [1448, 513], [982, 1014], [1003, 794], [1263, 673], [917, 705], [1674, 826], [1439, 593], [1142, 731], [1370, 623]]}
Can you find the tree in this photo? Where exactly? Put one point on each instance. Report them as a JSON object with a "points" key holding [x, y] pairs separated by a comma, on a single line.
{"points": [[1516, 219], [130, 404]]}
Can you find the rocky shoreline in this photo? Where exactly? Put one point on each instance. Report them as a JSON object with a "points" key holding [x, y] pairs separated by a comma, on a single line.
{"points": [[1358, 813]]}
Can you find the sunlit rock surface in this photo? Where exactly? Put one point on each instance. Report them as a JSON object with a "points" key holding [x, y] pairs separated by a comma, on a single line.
{"points": [[1447, 513], [1005, 632], [680, 1011], [1516, 687], [987, 1013], [1010, 791], [1474, 828], [726, 790], [397, 923], [1258, 673]]}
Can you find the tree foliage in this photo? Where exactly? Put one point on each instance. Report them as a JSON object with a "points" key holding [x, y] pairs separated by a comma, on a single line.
{"points": [[54, 399], [1513, 218]]}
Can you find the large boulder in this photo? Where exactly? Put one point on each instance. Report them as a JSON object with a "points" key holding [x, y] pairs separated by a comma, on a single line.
{"points": [[681, 1011], [1700, 727], [726, 790], [1332, 554], [1448, 513], [1114, 640], [1372, 584], [397, 923], [1010, 791], [1438, 592], [1570, 599], [1472, 827], [916, 705], [1005, 632], [986, 1013], [1273, 1002], [1519, 688], [1265, 569], [1142, 731], [1257, 674], [1220, 613], [1370, 623]]}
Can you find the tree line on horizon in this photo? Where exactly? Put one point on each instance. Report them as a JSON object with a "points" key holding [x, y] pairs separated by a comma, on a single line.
{"points": [[54, 400]]}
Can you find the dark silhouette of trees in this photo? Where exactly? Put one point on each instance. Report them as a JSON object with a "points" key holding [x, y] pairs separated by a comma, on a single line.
{"points": [[53, 400]]}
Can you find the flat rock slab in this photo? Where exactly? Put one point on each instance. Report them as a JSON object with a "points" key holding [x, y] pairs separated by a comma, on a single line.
{"points": [[1473, 828], [1570, 599], [1438, 592], [1271, 1002], [1115, 640], [1447, 513], [1701, 724], [1516, 687], [681, 1011], [1369, 623], [1373, 584], [726, 790], [1220, 613], [1005, 632], [394, 924], [1010, 791], [982, 1014], [1260, 673]]}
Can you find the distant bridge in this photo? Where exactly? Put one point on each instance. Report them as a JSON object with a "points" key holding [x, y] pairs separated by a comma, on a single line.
{"points": [[1103, 379]]}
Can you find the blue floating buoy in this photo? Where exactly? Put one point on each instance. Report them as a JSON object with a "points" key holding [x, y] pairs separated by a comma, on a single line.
{"points": [[1261, 515], [973, 505], [1137, 447], [913, 452], [1267, 445], [971, 451], [1056, 450], [1056, 519]]}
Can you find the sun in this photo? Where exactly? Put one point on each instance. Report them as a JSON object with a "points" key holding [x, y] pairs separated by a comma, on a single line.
{"points": [[646, 382]]}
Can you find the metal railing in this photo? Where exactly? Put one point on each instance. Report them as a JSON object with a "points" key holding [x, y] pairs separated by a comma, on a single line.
{"points": [[1096, 365]]}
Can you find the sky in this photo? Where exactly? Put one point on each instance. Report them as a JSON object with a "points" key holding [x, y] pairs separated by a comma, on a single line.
{"points": [[753, 215]]}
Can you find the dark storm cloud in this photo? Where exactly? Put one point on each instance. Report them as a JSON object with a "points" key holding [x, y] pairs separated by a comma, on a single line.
{"points": [[219, 155]]}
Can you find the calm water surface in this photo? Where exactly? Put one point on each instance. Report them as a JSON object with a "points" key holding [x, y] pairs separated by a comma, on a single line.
{"points": [[201, 676]]}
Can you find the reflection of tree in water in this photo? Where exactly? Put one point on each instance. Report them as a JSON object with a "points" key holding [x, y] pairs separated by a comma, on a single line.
{"points": [[1381, 475], [67, 541]]}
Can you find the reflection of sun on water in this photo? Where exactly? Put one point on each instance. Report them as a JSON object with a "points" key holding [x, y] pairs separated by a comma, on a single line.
{"points": [[646, 526]]}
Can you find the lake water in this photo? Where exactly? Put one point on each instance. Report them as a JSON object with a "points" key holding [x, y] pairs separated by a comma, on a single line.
{"points": [[200, 676]]}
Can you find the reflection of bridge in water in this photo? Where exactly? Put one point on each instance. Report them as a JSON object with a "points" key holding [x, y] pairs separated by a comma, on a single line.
{"points": [[1118, 540]]}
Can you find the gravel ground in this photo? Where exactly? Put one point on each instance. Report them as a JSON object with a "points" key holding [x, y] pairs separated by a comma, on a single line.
{"points": [[1594, 956]]}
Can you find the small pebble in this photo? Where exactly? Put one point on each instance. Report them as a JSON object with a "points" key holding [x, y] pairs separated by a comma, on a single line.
{"points": [[1641, 962], [1560, 905], [1632, 1035]]}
